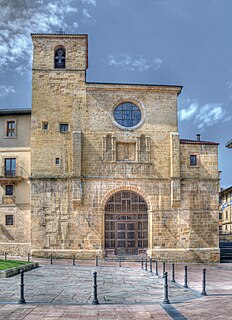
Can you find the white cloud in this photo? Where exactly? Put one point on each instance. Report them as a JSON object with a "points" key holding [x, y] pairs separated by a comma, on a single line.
{"points": [[127, 62], [86, 13], [23, 69], [75, 25], [203, 116], [18, 21], [209, 115], [6, 90], [91, 2], [229, 84], [188, 113]]}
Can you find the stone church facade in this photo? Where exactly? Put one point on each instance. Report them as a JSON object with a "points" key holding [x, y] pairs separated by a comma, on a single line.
{"points": [[109, 174]]}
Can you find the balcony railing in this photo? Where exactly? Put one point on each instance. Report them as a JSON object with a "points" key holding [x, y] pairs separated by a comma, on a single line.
{"points": [[10, 173], [13, 174]]}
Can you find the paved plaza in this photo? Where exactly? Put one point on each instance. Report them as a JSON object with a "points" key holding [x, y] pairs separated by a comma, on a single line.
{"points": [[64, 291]]}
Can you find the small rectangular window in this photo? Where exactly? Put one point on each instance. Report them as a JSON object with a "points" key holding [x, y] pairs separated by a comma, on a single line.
{"points": [[11, 128], [193, 160], [9, 190], [63, 127], [9, 220], [57, 161], [45, 125]]}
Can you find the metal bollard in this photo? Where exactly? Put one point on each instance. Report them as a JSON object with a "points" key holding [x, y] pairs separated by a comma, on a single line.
{"points": [[163, 268], [156, 267], [74, 262], [173, 273], [50, 258], [119, 262], [146, 264], [21, 298], [166, 300], [142, 263], [185, 277], [95, 300], [96, 261], [203, 292], [5, 255], [28, 257], [150, 264]]}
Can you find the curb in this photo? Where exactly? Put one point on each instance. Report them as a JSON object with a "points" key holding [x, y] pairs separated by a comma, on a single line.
{"points": [[13, 271]]}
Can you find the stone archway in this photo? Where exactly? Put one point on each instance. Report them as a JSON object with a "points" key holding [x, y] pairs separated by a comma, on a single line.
{"points": [[126, 224]]}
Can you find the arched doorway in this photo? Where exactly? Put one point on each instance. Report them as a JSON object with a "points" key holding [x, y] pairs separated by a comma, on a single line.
{"points": [[126, 224]]}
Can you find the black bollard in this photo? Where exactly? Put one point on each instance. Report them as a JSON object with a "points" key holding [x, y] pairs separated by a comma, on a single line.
{"points": [[28, 257], [163, 268], [142, 263], [50, 258], [74, 262], [119, 262], [203, 292], [95, 300], [156, 267], [166, 300], [21, 298], [150, 264], [173, 273], [185, 277], [146, 264], [96, 261], [5, 255]]}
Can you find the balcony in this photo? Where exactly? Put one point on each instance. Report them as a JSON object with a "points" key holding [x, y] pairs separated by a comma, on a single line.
{"points": [[10, 173], [12, 176], [8, 200]]}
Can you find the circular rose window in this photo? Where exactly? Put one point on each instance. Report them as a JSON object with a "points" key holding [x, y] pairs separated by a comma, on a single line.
{"points": [[127, 114]]}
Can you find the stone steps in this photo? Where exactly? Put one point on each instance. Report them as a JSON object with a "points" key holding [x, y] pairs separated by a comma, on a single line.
{"points": [[226, 252], [128, 258]]}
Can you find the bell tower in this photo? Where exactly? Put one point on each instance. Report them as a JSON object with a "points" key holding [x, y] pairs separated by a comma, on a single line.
{"points": [[71, 49], [58, 98], [58, 93]]}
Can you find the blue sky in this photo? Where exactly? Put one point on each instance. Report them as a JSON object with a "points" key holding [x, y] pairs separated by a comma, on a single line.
{"points": [[185, 42]]}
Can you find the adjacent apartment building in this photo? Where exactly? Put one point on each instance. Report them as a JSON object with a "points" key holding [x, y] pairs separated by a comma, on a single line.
{"points": [[15, 166], [225, 216], [104, 171]]}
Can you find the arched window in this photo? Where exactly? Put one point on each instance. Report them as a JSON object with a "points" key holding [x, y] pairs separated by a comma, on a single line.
{"points": [[59, 58]]}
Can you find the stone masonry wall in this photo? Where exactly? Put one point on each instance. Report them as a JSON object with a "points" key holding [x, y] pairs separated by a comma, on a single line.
{"points": [[67, 200]]}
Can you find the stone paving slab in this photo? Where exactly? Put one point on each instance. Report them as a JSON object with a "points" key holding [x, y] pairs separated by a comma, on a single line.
{"points": [[65, 284], [132, 282]]}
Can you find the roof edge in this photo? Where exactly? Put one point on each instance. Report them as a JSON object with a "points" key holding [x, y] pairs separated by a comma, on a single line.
{"points": [[229, 144], [63, 35], [188, 141], [7, 112], [225, 190], [180, 87]]}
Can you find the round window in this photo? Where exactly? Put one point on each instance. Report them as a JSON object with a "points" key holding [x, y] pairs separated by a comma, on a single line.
{"points": [[127, 114]]}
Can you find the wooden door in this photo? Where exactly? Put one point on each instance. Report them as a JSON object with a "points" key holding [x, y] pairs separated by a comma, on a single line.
{"points": [[126, 224], [126, 242]]}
